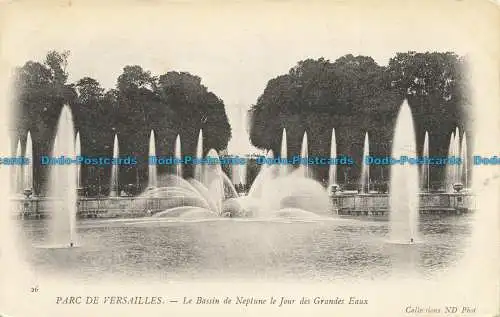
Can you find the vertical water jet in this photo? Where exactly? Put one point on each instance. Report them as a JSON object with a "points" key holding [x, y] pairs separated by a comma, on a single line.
{"points": [[464, 166], [178, 156], [424, 172], [449, 171], [78, 152], [214, 181], [457, 153], [284, 154], [403, 198], [198, 168], [332, 172], [28, 169], [115, 185], [63, 183], [365, 168], [304, 154], [152, 172]]}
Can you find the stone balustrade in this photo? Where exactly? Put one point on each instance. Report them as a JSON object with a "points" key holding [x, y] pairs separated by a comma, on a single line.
{"points": [[342, 204]]}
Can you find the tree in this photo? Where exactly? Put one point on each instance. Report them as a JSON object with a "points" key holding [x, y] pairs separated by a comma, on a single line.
{"points": [[41, 91], [437, 91], [198, 108], [57, 63], [89, 90], [176, 104], [355, 95], [134, 78]]}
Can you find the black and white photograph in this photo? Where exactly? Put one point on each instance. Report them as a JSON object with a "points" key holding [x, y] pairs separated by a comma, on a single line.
{"points": [[268, 158]]}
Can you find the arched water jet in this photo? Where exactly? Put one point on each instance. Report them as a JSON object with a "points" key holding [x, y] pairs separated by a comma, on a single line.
{"points": [[152, 173], [404, 199], [365, 168], [62, 191], [115, 186]]}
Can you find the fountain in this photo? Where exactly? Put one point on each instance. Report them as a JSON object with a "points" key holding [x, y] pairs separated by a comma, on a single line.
{"points": [[273, 194], [453, 176], [424, 172], [28, 170], [332, 171], [457, 154], [243, 175], [215, 183], [152, 175], [199, 154], [457, 185], [262, 176], [178, 156], [304, 154], [365, 168], [78, 152], [449, 171], [114, 170], [235, 174], [404, 199], [192, 198], [284, 153], [464, 165], [62, 191]]}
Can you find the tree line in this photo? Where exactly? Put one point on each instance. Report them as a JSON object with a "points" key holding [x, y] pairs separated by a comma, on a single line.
{"points": [[355, 95], [172, 103], [352, 94]]}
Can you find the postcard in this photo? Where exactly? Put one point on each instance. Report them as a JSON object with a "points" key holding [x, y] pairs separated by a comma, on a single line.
{"points": [[250, 158]]}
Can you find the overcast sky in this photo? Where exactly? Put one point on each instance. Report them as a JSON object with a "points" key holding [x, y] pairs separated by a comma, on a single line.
{"points": [[235, 49]]}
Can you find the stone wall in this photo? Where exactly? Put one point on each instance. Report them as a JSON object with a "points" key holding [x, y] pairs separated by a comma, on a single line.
{"points": [[354, 204], [379, 203]]}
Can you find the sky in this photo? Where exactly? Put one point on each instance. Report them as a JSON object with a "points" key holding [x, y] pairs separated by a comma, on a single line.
{"points": [[235, 47]]}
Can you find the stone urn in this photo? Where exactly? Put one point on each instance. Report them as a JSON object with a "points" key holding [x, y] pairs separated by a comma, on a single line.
{"points": [[333, 189], [458, 187], [28, 192]]}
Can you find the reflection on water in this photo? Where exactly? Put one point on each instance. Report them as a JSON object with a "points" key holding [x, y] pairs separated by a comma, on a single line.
{"points": [[322, 249]]}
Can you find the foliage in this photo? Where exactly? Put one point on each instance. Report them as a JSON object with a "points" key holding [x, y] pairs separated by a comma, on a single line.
{"points": [[172, 103], [355, 95]]}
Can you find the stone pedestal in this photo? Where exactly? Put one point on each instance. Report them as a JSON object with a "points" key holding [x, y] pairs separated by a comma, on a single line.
{"points": [[457, 187], [28, 192]]}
